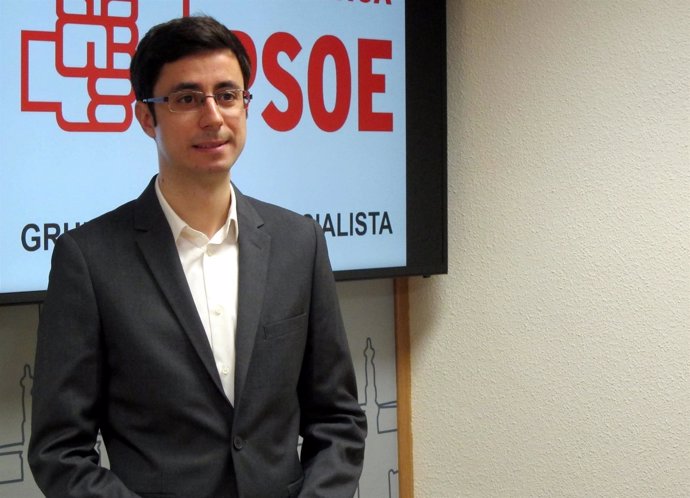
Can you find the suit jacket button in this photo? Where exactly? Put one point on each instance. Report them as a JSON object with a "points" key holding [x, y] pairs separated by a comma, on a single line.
{"points": [[238, 443]]}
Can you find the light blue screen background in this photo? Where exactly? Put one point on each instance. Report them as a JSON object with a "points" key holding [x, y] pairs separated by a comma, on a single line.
{"points": [[48, 175]]}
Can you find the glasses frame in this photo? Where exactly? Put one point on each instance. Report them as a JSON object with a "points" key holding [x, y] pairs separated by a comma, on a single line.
{"points": [[246, 98]]}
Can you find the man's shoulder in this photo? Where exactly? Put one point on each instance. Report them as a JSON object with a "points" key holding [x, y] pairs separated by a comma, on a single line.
{"points": [[272, 214], [281, 223], [110, 222]]}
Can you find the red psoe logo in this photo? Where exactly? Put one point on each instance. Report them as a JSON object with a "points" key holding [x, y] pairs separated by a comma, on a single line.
{"points": [[109, 18]]}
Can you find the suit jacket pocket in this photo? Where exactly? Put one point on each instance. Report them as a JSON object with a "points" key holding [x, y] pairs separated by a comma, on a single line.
{"points": [[276, 359], [285, 327]]}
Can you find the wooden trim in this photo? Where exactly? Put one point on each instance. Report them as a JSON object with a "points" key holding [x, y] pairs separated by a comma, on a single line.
{"points": [[404, 387]]}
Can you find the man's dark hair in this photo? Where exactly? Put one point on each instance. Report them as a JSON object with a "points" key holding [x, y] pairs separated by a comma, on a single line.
{"points": [[178, 38]]}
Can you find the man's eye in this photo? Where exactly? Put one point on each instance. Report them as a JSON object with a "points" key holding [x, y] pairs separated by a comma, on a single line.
{"points": [[227, 96], [185, 99]]}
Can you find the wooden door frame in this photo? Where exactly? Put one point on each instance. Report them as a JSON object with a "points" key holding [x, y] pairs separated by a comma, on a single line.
{"points": [[404, 386]]}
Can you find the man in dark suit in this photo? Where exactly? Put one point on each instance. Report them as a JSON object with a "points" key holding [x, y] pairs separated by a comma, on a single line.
{"points": [[198, 329]]}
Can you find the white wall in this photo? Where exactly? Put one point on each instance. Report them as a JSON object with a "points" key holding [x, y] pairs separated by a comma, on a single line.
{"points": [[554, 359]]}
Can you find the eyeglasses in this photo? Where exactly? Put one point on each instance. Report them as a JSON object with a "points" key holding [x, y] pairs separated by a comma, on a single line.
{"points": [[227, 99]]}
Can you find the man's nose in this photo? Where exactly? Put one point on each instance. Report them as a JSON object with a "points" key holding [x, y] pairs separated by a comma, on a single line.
{"points": [[210, 112]]}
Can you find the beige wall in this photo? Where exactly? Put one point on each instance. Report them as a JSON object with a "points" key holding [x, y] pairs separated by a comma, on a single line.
{"points": [[554, 359]]}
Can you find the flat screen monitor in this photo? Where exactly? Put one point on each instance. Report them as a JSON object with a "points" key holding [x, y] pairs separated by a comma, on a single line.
{"points": [[347, 124]]}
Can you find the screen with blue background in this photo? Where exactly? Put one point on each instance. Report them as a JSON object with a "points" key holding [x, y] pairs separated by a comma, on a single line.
{"points": [[326, 127]]}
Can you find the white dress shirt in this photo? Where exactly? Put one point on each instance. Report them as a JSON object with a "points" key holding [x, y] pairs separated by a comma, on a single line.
{"points": [[210, 266]]}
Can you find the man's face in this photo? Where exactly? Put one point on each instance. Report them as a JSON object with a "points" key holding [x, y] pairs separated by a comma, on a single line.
{"points": [[204, 142]]}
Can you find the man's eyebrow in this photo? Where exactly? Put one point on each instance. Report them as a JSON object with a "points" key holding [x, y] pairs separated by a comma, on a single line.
{"points": [[185, 86], [195, 86], [228, 84]]}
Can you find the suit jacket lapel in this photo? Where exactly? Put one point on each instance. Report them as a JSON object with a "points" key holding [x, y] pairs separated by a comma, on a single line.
{"points": [[156, 243], [254, 250]]}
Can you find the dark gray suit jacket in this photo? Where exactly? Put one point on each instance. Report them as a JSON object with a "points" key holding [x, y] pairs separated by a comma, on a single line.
{"points": [[121, 349]]}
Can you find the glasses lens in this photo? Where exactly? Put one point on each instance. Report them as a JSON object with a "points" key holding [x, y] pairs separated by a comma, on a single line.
{"points": [[192, 100], [185, 100], [229, 98]]}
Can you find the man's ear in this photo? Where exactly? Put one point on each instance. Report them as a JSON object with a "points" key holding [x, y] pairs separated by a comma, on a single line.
{"points": [[145, 118]]}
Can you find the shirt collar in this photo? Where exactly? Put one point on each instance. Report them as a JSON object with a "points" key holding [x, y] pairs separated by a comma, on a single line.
{"points": [[177, 225]]}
